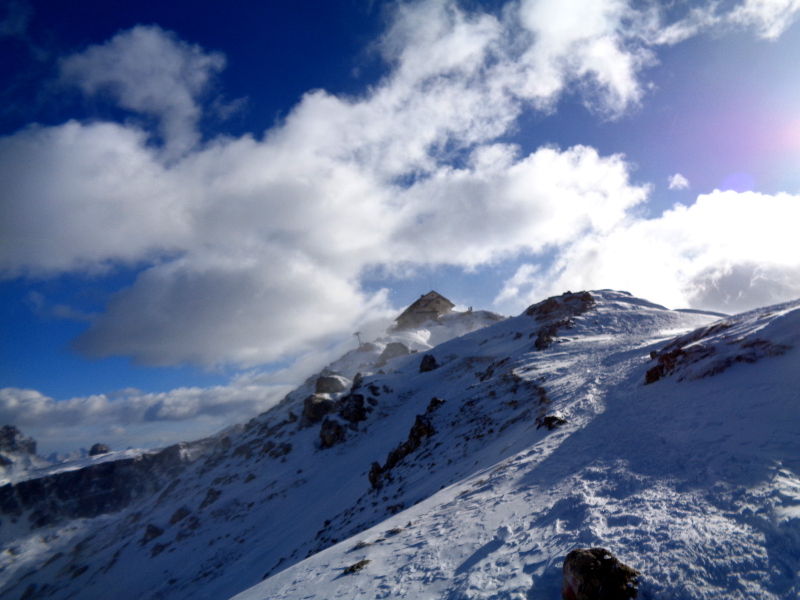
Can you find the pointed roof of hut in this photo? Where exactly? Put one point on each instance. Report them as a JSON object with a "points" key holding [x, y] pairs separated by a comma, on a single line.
{"points": [[427, 307]]}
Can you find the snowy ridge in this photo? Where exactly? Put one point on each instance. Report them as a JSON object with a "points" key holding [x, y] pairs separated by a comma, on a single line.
{"points": [[696, 486], [532, 436]]}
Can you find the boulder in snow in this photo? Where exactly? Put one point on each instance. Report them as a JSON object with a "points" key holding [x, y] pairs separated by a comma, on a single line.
{"points": [[392, 350], [596, 574], [331, 433], [428, 363], [352, 408], [315, 407], [331, 384]]}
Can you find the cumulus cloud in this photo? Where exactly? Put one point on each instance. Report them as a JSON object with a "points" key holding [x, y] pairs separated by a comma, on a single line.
{"points": [[677, 182], [82, 197], [253, 249], [727, 252], [518, 205], [597, 44], [150, 71]]}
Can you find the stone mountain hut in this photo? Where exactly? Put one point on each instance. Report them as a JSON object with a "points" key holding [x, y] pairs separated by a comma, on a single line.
{"points": [[428, 307]]}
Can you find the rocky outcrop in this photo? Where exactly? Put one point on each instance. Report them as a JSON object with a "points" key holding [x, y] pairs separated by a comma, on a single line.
{"points": [[421, 429], [151, 533], [392, 350], [331, 433], [331, 384], [596, 574], [557, 313], [12, 440], [315, 407], [98, 449], [94, 490], [550, 422], [708, 351], [353, 409], [428, 363]]}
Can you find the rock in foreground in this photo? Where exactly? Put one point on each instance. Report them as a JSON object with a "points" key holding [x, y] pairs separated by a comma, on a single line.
{"points": [[596, 574]]}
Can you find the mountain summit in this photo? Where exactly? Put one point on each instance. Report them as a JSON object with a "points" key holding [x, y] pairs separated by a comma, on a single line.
{"points": [[462, 468]]}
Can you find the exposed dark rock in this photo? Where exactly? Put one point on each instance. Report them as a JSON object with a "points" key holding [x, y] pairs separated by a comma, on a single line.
{"points": [[556, 313], [13, 440], [595, 574], [375, 472], [179, 514], [422, 428], [550, 422], [245, 450], [547, 333], [358, 381], [565, 305], [315, 407], [434, 404], [331, 433], [356, 567], [685, 352], [98, 449], [428, 363], [330, 384], [351, 408], [151, 533], [211, 496], [96, 489], [274, 450], [392, 350]]}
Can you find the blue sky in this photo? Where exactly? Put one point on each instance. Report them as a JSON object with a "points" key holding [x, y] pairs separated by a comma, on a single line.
{"points": [[202, 201]]}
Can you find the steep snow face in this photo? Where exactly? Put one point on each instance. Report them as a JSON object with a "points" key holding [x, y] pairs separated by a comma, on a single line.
{"points": [[474, 479], [695, 483], [745, 338]]}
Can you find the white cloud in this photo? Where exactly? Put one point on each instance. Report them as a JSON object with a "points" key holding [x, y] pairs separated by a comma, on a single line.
{"points": [[253, 249], [545, 199], [728, 251], [149, 70], [596, 43], [80, 197], [770, 18], [678, 182], [130, 417]]}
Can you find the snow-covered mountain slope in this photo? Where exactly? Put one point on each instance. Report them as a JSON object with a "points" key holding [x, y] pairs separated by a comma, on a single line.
{"points": [[693, 479], [470, 470], [81, 525]]}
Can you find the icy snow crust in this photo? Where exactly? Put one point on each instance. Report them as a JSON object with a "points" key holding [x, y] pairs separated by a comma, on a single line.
{"points": [[694, 481]]}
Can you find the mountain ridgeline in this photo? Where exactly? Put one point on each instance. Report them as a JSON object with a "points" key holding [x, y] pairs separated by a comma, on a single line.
{"points": [[462, 455]]}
